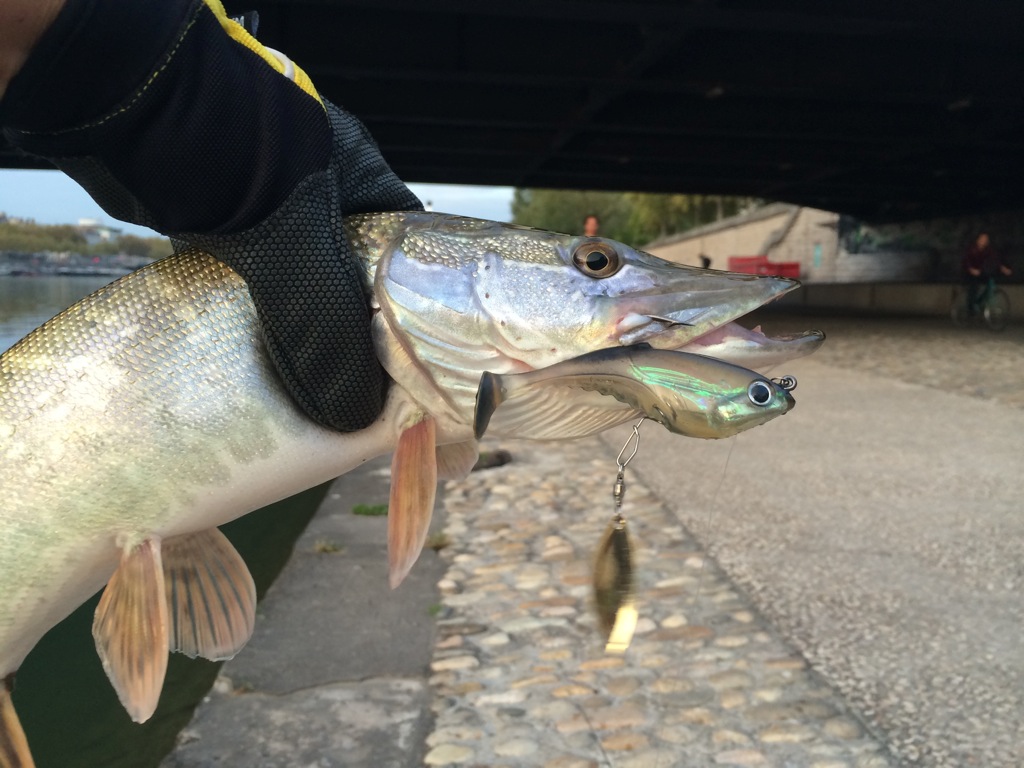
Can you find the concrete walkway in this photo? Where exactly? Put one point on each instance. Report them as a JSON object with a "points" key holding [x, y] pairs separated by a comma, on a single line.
{"points": [[335, 672], [867, 611]]}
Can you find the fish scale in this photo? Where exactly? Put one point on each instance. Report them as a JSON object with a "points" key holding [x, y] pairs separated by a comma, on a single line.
{"points": [[160, 365]]}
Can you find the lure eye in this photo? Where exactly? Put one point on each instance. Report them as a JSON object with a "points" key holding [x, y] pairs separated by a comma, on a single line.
{"points": [[760, 393], [596, 259]]}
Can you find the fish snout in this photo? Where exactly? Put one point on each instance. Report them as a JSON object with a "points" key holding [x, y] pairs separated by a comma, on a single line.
{"points": [[691, 305]]}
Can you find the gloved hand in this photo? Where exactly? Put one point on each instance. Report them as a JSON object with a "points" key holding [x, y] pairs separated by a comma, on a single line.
{"points": [[189, 126], [307, 284]]}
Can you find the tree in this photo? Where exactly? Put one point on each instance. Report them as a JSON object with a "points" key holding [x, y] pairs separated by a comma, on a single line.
{"points": [[561, 210], [146, 247], [636, 218], [29, 237]]}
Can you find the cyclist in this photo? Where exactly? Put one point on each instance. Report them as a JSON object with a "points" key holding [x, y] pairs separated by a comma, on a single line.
{"points": [[981, 262]]}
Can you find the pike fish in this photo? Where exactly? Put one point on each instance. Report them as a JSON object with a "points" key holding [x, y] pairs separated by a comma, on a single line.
{"points": [[138, 420]]}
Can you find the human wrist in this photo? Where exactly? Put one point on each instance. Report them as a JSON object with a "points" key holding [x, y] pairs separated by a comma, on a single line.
{"points": [[87, 59]]}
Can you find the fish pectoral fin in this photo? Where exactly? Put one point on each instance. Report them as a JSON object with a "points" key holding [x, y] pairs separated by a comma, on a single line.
{"points": [[411, 505], [211, 598], [130, 629], [14, 751], [456, 460]]}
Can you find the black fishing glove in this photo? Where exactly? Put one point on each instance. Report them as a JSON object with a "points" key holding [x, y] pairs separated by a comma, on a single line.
{"points": [[173, 117], [307, 284]]}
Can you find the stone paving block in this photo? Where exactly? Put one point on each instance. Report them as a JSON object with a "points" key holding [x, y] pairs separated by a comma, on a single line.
{"points": [[705, 681]]}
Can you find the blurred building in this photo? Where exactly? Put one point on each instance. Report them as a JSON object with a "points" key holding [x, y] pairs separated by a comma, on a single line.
{"points": [[96, 232], [809, 243]]}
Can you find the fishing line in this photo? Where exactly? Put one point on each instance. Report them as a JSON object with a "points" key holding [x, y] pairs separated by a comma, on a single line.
{"points": [[788, 383], [593, 732], [709, 525]]}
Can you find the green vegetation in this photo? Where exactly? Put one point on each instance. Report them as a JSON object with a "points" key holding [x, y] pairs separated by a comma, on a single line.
{"points": [[632, 217], [370, 510], [27, 237]]}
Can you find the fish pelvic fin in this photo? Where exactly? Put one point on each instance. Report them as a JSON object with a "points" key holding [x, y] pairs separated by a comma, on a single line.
{"points": [[456, 460], [130, 629], [14, 751], [211, 597], [489, 395], [411, 504]]}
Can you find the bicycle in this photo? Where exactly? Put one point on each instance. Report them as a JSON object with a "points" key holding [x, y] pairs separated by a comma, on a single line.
{"points": [[993, 306]]}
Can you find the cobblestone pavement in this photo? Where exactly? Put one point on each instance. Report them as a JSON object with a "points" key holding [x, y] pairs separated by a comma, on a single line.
{"points": [[927, 351], [875, 532], [521, 677]]}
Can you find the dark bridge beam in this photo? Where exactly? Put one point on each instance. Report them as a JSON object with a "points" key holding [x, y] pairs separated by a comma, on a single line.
{"points": [[883, 110]]}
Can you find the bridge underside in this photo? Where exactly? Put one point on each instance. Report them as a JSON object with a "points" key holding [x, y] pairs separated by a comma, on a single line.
{"points": [[888, 111]]}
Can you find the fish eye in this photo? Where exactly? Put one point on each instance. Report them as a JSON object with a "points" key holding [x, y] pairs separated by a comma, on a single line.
{"points": [[596, 259], [760, 393]]}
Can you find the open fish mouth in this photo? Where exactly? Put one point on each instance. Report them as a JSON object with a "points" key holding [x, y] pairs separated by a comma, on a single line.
{"points": [[708, 327], [751, 347]]}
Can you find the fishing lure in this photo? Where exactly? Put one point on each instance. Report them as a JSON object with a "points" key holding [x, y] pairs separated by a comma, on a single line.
{"points": [[613, 579], [614, 586]]}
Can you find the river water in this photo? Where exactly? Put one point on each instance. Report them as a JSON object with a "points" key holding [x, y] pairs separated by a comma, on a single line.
{"points": [[27, 302], [68, 709]]}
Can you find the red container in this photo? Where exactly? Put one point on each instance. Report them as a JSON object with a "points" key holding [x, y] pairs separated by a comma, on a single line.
{"points": [[748, 264], [759, 265], [783, 269]]}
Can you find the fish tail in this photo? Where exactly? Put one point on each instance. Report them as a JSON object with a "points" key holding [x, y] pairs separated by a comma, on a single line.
{"points": [[489, 395], [14, 752]]}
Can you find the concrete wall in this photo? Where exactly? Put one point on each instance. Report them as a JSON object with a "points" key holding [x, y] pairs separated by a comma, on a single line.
{"points": [[929, 299], [788, 233], [947, 240], [812, 241], [887, 266], [740, 236], [836, 249]]}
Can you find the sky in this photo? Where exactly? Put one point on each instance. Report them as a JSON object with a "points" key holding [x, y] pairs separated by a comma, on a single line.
{"points": [[50, 197]]}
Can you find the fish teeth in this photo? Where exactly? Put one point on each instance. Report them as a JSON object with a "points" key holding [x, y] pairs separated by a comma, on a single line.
{"points": [[632, 321]]}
